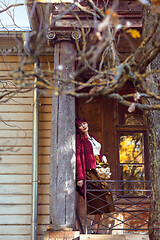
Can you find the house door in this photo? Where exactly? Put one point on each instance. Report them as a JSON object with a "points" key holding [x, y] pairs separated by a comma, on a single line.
{"points": [[113, 126], [101, 116], [123, 136]]}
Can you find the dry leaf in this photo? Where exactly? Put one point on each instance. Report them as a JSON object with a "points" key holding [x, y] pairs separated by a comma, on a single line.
{"points": [[115, 19], [134, 33]]}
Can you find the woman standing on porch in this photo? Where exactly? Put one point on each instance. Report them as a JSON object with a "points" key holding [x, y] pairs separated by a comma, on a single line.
{"points": [[88, 153]]}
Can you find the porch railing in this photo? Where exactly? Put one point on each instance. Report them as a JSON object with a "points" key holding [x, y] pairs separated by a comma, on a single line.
{"points": [[131, 200]]}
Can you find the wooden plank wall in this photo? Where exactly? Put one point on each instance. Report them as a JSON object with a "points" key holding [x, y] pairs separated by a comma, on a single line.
{"points": [[92, 112], [16, 160], [101, 114]]}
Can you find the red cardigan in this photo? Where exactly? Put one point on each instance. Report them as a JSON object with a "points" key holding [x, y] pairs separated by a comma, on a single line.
{"points": [[84, 157]]}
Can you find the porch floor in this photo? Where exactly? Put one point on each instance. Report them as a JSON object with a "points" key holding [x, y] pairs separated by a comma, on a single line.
{"points": [[113, 237]]}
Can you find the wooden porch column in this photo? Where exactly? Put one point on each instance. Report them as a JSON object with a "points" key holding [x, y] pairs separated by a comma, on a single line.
{"points": [[62, 165]]}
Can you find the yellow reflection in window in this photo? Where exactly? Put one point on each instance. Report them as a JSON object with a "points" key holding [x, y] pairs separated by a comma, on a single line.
{"points": [[131, 155], [131, 149]]}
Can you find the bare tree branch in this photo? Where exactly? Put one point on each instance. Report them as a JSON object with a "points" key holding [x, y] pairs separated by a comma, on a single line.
{"points": [[11, 6]]}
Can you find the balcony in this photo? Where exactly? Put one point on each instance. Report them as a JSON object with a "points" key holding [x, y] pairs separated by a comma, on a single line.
{"points": [[131, 200]]}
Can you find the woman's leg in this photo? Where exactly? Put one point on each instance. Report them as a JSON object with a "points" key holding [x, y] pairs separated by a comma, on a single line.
{"points": [[96, 223]]}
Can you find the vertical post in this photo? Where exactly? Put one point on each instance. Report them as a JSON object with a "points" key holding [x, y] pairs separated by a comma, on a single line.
{"points": [[35, 160], [62, 166]]}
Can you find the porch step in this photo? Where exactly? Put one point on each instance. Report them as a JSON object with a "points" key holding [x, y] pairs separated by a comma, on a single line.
{"points": [[113, 237]]}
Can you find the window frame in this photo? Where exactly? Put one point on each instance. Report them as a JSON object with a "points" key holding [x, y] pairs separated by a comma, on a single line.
{"points": [[129, 130]]}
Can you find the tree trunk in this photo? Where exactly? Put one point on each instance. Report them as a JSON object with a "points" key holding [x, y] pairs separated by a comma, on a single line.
{"points": [[153, 127]]}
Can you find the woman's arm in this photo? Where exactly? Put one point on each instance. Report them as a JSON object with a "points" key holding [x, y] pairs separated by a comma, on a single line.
{"points": [[79, 161], [103, 158]]}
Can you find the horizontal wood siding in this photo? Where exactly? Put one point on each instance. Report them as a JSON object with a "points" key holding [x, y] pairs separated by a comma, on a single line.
{"points": [[16, 159], [45, 109], [16, 167]]}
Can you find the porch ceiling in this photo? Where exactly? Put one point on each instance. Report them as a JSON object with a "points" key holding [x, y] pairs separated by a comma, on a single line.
{"points": [[40, 12]]}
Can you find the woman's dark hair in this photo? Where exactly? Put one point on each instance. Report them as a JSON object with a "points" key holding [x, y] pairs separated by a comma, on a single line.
{"points": [[78, 122]]}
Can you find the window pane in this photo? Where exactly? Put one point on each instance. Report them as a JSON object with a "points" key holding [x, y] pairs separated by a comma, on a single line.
{"points": [[133, 188], [132, 172], [131, 160], [131, 148]]}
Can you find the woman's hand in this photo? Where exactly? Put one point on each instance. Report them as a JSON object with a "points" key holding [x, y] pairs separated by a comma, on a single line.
{"points": [[104, 159], [80, 183]]}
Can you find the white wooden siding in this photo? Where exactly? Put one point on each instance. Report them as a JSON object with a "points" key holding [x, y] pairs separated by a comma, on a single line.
{"points": [[16, 160]]}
